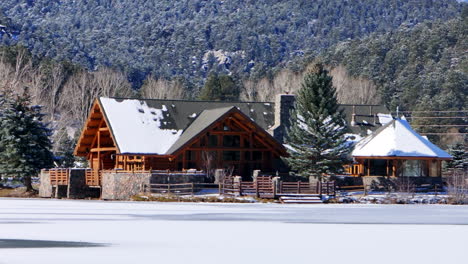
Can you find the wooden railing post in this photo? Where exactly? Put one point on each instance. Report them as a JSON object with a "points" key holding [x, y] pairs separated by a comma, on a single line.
{"points": [[257, 194]]}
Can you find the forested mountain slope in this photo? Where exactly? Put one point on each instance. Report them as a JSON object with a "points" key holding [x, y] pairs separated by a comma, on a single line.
{"points": [[190, 38], [423, 70], [426, 64]]}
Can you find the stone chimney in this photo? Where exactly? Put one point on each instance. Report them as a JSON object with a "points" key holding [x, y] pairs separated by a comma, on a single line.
{"points": [[284, 103]]}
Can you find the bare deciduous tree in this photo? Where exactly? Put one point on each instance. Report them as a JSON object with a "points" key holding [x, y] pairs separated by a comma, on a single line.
{"points": [[162, 89], [83, 88], [457, 187], [209, 163], [352, 90], [349, 90]]}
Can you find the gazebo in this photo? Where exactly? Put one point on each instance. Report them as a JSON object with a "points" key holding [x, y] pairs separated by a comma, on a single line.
{"points": [[397, 150]]}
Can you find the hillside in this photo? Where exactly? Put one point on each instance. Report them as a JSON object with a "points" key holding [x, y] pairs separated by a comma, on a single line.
{"points": [[191, 38], [419, 69]]}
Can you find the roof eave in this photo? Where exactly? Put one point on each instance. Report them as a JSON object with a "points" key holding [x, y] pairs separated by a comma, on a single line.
{"points": [[403, 157]]}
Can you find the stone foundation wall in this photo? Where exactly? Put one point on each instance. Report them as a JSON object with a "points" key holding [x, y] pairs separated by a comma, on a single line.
{"points": [[45, 188], [122, 186]]}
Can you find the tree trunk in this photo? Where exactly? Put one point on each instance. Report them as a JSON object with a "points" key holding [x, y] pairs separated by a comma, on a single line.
{"points": [[28, 184]]}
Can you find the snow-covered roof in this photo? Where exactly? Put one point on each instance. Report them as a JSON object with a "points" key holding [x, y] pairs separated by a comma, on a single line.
{"points": [[137, 127], [156, 126], [397, 139]]}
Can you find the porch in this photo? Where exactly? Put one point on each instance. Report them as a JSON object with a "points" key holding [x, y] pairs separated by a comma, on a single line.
{"points": [[395, 167]]}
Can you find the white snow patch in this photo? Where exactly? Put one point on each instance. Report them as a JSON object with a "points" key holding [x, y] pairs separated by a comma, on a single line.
{"points": [[384, 118], [164, 108], [137, 127], [353, 138]]}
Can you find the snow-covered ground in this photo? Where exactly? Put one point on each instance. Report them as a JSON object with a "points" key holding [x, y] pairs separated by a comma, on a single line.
{"points": [[144, 232]]}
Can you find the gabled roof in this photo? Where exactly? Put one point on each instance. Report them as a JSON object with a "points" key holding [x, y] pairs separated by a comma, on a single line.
{"points": [[398, 139], [203, 121], [157, 126], [179, 114], [164, 126]]}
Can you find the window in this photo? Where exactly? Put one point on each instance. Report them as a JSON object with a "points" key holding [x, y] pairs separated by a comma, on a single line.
{"points": [[213, 140], [257, 155], [190, 155], [378, 167], [414, 168], [231, 155], [231, 141], [247, 155]]}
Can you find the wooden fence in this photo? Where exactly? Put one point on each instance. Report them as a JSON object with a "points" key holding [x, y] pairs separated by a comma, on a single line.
{"points": [[320, 188], [175, 189], [265, 187], [180, 188]]}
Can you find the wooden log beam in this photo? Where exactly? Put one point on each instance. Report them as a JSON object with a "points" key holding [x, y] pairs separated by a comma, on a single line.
{"points": [[103, 149], [229, 132], [227, 149]]}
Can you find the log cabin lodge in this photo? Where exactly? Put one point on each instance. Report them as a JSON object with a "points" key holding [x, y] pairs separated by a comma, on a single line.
{"points": [[133, 143], [178, 135]]}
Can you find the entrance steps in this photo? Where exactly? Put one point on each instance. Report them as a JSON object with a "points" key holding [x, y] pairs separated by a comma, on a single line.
{"points": [[300, 198]]}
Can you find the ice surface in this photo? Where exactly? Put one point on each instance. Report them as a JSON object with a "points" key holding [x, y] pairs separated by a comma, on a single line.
{"points": [[146, 232]]}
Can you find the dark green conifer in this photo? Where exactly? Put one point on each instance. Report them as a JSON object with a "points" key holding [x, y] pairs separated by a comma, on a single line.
{"points": [[316, 138], [24, 139]]}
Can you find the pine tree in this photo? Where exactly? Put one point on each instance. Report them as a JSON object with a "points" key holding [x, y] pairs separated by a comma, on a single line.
{"points": [[24, 139], [64, 157], [460, 157], [316, 138], [220, 88]]}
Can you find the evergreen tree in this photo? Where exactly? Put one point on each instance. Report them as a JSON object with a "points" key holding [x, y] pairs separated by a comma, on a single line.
{"points": [[64, 157], [220, 88], [24, 139], [460, 157], [316, 137]]}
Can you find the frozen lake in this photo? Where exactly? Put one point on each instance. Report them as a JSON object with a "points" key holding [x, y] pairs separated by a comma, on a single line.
{"points": [[67, 231]]}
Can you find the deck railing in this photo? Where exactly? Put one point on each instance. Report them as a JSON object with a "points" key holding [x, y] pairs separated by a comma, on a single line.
{"points": [[59, 176], [354, 169], [93, 177]]}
